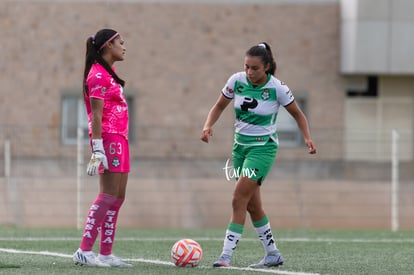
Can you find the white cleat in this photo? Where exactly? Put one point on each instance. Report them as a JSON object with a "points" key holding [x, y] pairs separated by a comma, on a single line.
{"points": [[87, 258], [223, 261], [272, 260], [113, 261]]}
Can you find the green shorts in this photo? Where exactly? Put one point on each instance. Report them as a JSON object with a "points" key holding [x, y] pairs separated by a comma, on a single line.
{"points": [[254, 162]]}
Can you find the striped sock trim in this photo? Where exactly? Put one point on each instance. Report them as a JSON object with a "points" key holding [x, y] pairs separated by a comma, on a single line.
{"points": [[262, 222], [235, 227]]}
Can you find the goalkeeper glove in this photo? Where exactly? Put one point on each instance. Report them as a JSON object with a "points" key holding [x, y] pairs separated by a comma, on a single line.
{"points": [[98, 157]]}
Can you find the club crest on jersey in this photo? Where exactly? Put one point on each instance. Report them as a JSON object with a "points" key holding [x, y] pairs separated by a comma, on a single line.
{"points": [[116, 162], [265, 94]]}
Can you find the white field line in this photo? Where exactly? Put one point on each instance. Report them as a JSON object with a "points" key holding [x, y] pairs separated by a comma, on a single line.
{"points": [[128, 239], [158, 262], [173, 239]]}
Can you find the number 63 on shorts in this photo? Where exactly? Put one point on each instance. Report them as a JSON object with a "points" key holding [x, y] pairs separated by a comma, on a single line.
{"points": [[117, 151]]}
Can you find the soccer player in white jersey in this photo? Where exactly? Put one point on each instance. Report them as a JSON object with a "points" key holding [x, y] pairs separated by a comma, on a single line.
{"points": [[257, 96], [108, 131]]}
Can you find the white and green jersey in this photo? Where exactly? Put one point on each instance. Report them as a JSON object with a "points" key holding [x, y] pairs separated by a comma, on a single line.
{"points": [[256, 107]]}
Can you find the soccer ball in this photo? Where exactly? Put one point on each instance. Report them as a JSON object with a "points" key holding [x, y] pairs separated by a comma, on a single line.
{"points": [[186, 253]]}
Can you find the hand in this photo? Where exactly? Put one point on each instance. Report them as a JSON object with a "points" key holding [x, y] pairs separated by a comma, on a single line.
{"points": [[98, 157], [311, 146], [205, 134]]}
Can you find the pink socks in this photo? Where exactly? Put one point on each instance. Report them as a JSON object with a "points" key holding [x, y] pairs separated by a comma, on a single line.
{"points": [[109, 228], [96, 216]]}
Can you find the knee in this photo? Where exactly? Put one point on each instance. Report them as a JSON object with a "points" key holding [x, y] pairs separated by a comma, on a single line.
{"points": [[239, 202]]}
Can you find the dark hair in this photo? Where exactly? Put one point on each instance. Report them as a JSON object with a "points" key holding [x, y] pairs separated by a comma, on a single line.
{"points": [[264, 51], [94, 54]]}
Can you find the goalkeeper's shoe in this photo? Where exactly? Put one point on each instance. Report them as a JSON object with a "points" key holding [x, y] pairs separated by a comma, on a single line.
{"points": [[87, 258], [272, 259], [223, 261], [113, 260]]}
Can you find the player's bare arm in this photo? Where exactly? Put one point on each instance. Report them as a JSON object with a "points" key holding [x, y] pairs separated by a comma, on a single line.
{"points": [[303, 125], [214, 114], [97, 109]]}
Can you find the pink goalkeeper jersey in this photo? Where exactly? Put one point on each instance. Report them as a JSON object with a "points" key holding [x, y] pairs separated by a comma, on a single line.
{"points": [[115, 110]]}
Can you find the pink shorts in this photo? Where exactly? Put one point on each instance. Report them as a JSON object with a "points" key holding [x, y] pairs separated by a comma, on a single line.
{"points": [[117, 152]]}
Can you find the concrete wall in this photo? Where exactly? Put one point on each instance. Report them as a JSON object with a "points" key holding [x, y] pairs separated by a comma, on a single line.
{"points": [[195, 194], [179, 56], [201, 202], [178, 59]]}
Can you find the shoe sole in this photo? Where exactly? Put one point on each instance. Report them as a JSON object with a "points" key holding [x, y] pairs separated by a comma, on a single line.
{"points": [[265, 266], [221, 265], [79, 263], [121, 265], [276, 265]]}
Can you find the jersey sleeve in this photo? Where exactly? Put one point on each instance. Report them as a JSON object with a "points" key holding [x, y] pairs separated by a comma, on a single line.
{"points": [[284, 94], [97, 85], [228, 89]]}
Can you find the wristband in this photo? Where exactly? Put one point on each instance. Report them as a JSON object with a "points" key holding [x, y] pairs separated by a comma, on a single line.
{"points": [[97, 146]]}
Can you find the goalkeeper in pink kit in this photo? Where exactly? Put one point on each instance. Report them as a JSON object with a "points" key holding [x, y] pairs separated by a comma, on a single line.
{"points": [[107, 112]]}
